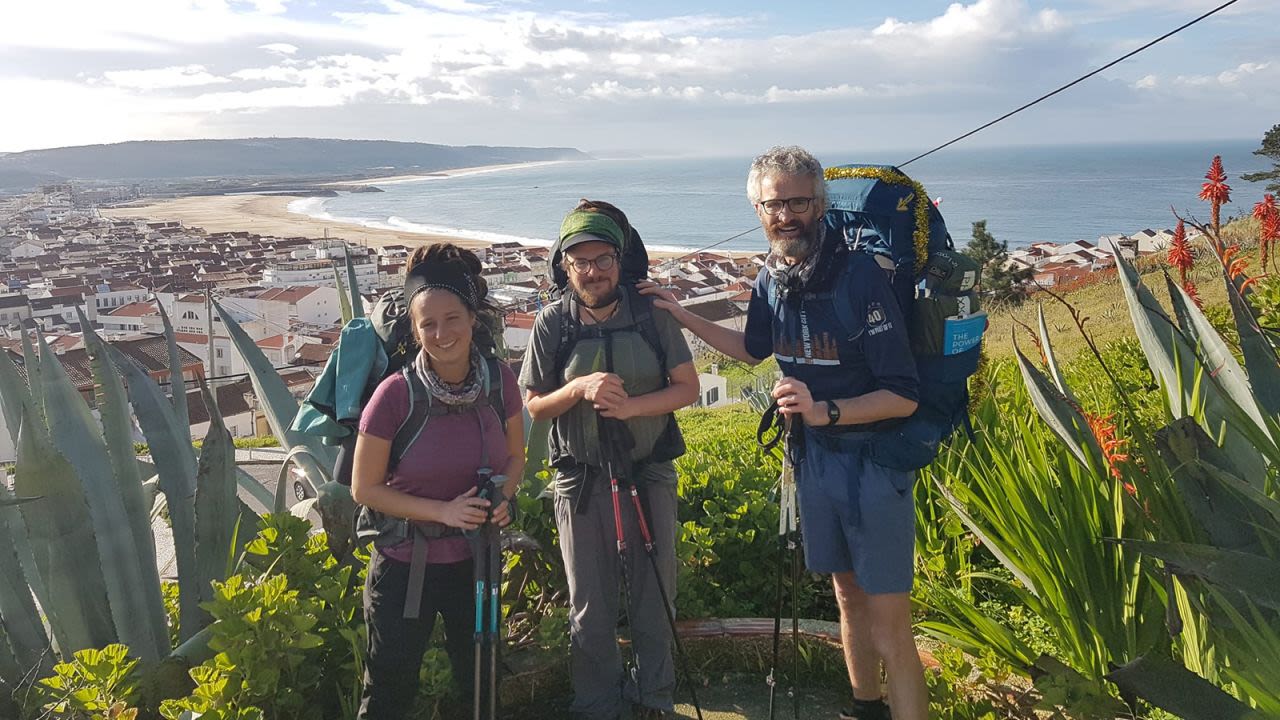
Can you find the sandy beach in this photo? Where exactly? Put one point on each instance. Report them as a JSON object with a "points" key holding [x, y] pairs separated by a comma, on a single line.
{"points": [[269, 215]]}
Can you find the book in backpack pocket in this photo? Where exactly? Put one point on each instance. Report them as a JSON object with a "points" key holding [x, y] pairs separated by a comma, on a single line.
{"points": [[946, 324]]}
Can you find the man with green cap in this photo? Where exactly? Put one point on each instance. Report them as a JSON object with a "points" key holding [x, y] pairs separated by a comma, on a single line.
{"points": [[603, 354]]}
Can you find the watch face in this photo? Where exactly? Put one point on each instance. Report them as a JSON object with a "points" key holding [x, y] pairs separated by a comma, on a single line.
{"points": [[833, 412]]}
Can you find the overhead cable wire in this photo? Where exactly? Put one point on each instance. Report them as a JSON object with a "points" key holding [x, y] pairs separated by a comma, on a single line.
{"points": [[1073, 83]]}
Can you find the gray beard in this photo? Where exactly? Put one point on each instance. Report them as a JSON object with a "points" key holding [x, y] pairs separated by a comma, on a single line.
{"points": [[799, 247]]}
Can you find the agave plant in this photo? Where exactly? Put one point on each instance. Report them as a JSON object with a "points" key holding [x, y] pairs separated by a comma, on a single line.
{"points": [[1107, 553], [78, 537]]}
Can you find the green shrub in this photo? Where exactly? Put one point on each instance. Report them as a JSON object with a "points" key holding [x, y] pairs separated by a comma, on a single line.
{"points": [[94, 685]]}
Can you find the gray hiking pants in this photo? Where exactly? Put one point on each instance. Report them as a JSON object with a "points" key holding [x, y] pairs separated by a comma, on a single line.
{"points": [[588, 545]]}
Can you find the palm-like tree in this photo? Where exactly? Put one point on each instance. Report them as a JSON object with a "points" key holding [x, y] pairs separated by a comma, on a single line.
{"points": [[1216, 191]]}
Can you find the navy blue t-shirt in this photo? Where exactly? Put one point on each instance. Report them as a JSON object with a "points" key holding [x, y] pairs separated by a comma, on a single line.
{"points": [[805, 335]]}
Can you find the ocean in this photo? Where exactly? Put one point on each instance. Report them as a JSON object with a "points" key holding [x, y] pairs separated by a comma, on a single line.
{"points": [[1026, 194]]}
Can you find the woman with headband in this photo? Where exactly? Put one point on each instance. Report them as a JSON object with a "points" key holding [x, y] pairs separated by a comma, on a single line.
{"points": [[421, 486]]}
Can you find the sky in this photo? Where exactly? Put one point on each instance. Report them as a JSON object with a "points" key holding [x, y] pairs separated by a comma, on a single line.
{"points": [[655, 77]]}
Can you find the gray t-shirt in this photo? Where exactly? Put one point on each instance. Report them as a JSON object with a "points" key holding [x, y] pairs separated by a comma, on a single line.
{"points": [[634, 361]]}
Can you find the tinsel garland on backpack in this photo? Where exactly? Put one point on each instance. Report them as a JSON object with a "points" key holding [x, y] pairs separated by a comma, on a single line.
{"points": [[921, 236]]}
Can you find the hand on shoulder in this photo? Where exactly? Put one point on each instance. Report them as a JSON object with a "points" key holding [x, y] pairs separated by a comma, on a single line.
{"points": [[662, 297]]}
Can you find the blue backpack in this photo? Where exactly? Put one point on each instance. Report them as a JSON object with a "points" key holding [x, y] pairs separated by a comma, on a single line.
{"points": [[880, 211]]}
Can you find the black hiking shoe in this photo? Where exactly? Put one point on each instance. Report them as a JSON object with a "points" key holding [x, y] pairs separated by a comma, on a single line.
{"points": [[866, 710], [640, 712]]}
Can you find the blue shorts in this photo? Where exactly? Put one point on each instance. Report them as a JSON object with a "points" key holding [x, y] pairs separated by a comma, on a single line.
{"points": [[856, 515]]}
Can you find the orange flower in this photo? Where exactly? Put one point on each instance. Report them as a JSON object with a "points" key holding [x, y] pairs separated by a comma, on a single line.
{"points": [[1193, 292], [1216, 191], [1104, 431], [1268, 216], [1180, 251]]}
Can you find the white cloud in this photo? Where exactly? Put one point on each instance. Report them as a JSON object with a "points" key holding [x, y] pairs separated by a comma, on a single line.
{"points": [[163, 78], [282, 49], [437, 65]]}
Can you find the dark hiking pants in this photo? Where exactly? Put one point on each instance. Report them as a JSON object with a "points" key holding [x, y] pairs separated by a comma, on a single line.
{"points": [[396, 644]]}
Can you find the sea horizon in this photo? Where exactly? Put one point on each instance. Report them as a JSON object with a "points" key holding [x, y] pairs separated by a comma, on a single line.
{"points": [[1027, 193]]}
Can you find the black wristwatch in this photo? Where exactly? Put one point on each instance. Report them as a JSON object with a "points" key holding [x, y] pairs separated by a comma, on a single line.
{"points": [[833, 413]]}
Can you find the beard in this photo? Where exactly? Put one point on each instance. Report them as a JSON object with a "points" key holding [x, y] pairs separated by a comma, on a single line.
{"points": [[799, 245], [595, 295]]}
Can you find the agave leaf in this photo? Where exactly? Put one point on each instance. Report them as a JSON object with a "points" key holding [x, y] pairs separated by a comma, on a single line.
{"points": [[65, 551], [353, 287], [1177, 690], [344, 300], [1046, 344], [175, 462], [1255, 576], [14, 395], [278, 404], [177, 383], [79, 440], [216, 506], [1058, 413], [32, 365], [1214, 353], [117, 426], [25, 631], [256, 489], [1223, 513], [337, 512], [1177, 365], [1259, 356]]}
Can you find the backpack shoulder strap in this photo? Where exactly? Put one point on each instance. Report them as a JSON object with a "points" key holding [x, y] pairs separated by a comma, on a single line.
{"points": [[842, 296], [414, 421], [568, 333], [645, 324], [494, 390]]}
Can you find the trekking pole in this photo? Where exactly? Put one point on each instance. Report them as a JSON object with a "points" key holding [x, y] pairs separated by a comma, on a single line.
{"points": [[623, 572], [481, 576], [487, 572], [662, 591], [788, 525], [495, 614], [793, 450]]}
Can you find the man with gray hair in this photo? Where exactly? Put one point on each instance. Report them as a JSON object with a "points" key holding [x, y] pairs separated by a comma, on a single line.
{"points": [[856, 516]]}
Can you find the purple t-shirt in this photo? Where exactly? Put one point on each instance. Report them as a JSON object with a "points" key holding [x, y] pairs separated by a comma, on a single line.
{"points": [[441, 464]]}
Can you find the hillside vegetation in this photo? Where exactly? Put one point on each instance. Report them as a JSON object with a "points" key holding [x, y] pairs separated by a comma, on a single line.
{"points": [[259, 157]]}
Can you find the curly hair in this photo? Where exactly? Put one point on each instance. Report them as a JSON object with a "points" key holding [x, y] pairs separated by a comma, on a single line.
{"points": [[787, 160], [451, 264]]}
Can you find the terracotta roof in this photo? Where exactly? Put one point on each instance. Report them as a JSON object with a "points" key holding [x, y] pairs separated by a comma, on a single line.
{"points": [[150, 352], [135, 309], [231, 400], [314, 353], [290, 295], [274, 341], [715, 311]]}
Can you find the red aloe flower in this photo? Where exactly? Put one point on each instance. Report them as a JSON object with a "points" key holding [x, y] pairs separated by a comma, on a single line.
{"points": [[1268, 216], [1193, 292], [1180, 251], [1216, 191]]}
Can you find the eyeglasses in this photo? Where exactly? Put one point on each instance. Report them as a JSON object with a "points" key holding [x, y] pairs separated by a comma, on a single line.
{"points": [[583, 266], [794, 205]]}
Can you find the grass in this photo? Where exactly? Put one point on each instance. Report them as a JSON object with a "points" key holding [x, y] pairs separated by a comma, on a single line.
{"points": [[1102, 302]]}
